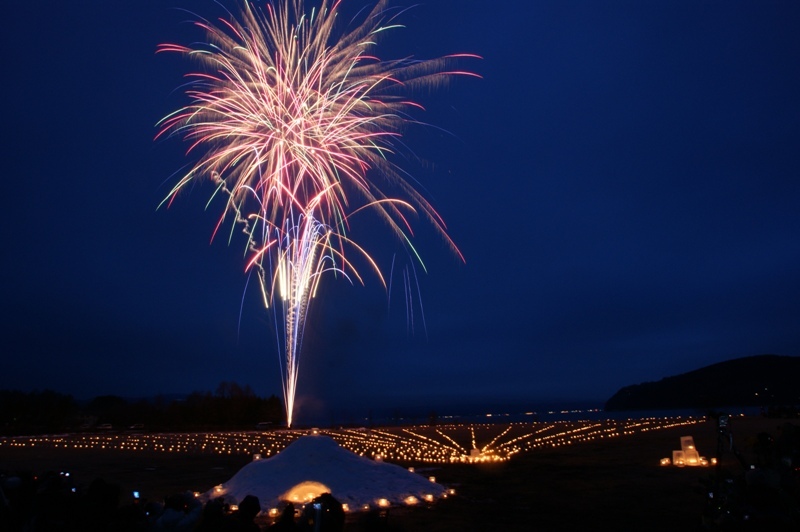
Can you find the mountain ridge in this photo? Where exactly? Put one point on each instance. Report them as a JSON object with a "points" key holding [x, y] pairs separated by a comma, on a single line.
{"points": [[759, 380]]}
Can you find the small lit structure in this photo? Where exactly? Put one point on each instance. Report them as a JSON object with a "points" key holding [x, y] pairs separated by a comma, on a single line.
{"points": [[687, 455]]}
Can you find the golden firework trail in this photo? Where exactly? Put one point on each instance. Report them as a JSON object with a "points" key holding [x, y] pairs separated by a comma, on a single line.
{"points": [[295, 124]]}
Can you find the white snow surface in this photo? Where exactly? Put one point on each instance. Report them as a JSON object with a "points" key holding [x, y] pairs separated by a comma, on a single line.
{"points": [[352, 479]]}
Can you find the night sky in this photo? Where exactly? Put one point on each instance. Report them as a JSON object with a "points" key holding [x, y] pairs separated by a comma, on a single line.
{"points": [[623, 183]]}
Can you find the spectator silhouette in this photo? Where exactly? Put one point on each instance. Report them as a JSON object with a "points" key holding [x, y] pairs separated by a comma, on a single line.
{"points": [[285, 522], [99, 506], [214, 518], [242, 519], [323, 514], [181, 513]]}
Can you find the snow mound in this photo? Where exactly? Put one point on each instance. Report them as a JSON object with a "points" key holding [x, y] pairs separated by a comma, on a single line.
{"points": [[314, 464]]}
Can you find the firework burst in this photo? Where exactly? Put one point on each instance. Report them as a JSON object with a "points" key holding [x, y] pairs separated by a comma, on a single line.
{"points": [[295, 125]]}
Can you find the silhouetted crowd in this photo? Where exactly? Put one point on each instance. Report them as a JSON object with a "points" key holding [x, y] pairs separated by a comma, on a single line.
{"points": [[765, 493], [52, 502]]}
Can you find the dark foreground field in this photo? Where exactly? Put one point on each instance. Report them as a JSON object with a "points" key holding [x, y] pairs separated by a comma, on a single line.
{"points": [[614, 484]]}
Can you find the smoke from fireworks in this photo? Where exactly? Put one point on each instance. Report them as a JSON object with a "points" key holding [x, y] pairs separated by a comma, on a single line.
{"points": [[295, 124]]}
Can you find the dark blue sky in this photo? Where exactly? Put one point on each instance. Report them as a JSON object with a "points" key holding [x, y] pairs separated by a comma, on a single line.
{"points": [[623, 184]]}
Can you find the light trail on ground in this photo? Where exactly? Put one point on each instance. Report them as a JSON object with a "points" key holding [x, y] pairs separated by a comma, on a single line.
{"points": [[418, 444]]}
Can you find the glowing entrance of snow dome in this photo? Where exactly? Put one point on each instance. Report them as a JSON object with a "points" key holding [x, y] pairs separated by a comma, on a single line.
{"points": [[305, 491]]}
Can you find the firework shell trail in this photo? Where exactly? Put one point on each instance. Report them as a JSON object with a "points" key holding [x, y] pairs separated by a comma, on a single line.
{"points": [[296, 124]]}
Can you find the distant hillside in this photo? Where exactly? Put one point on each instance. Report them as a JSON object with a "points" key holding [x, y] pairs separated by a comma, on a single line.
{"points": [[763, 380]]}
